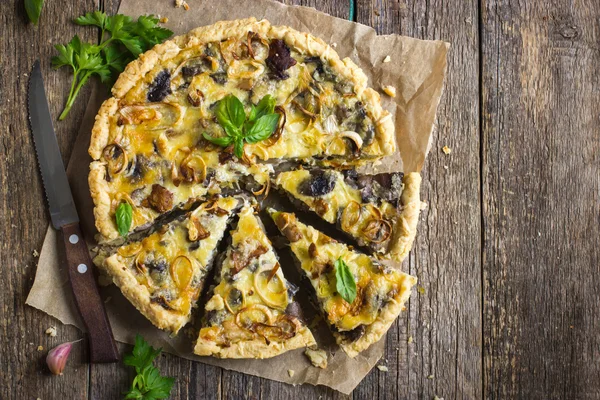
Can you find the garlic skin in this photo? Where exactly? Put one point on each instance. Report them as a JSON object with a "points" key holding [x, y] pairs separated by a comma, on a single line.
{"points": [[57, 357]]}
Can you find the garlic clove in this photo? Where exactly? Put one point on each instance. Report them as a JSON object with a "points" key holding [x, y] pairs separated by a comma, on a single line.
{"points": [[57, 357]]}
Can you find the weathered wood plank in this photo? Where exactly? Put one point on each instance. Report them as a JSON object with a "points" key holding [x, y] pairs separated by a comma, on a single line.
{"points": [[23, 373], [444, 320], [541, 149]]}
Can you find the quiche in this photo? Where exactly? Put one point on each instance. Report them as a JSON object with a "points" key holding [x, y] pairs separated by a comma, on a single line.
{"points": [[366, 207], [149, 142], [252, 313], [163, 274], [333, 269]]}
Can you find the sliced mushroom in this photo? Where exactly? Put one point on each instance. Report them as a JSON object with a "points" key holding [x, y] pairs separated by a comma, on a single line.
{"points": [[196, 231], [287, 227], [160, 199], [115, 157]]}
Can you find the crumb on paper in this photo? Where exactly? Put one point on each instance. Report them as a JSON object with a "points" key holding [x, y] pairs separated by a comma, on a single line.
{"points": [[421, 289], [164, 20], [387, 59], [317, 357], [430, 377], [423, 206], [382, 368], [291, 372], [51, 331], [35, 253], [182, 3], [410, 339], [446, 150], [389, 90], [40, 348], [334, 45]]}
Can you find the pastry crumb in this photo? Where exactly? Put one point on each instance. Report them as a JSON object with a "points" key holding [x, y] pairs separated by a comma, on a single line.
{"points": [[182, 3], [445, 167], [430, 377], [51, 331], [446, 150], [423, 206], [437, 398], [334, 45], [410, 339], [317, 357], [35, 253], [164, 20], [382, 368], [389, 90], [387, 59], [421, 289], [291, 372], [40, 348]]}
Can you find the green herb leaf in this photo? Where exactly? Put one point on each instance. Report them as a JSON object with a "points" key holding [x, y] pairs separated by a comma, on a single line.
{"points": [[262, 128], [148, 383], [124, 216], [34, 10], [222, 141], [96, 18], [230, 110], [265, 106], [344, 281], [238, 150], [121, 40]]}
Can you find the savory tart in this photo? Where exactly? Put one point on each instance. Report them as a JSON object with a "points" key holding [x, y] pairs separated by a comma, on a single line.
{"points": [[358, 296], [162, 138], [366, 207], [252, 313], [163, 274]]}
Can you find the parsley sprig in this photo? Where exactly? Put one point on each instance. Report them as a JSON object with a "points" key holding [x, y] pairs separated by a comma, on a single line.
{"points": [[122, 39], [148, 383], [239, 128]]}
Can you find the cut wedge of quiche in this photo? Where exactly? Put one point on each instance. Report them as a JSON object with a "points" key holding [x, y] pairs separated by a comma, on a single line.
{"points": [[252, 313], [358, 296], [376, 210], [163, 274], [149, 143]]}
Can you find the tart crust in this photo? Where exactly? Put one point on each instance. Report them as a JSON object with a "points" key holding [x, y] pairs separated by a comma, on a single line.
{"points": [[136, 70]]}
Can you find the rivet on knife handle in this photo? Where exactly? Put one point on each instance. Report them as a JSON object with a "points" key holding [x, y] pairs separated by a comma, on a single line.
{"points": [[87, 298]]}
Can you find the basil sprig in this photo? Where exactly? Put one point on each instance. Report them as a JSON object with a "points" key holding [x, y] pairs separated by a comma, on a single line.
{"points": [[344, 281], [239, 128], [124, 217]]}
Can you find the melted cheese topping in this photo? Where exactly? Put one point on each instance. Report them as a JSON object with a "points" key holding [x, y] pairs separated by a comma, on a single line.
{"points": [[156, 137], [357, 220], [375, 284], [171, 266], [248, 303]]}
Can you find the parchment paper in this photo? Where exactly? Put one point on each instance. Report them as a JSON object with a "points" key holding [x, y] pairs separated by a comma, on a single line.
{"points": [[417, 70]]}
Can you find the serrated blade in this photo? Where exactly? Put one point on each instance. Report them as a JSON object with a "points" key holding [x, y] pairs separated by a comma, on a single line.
{"points": [[54, 177]]}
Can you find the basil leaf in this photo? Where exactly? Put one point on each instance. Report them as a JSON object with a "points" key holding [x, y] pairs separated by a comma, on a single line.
{"points": [[223, 141], [239, 148], [265, 106], [34, 10], [344, 281], [262, 128], [231, 130], [230, 110], [124, 216]]}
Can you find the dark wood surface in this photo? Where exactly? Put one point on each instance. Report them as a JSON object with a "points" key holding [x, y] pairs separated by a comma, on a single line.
{"points": [[507, 252]]}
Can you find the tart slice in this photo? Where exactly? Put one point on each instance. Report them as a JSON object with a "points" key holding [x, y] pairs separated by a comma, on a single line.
{"points": [[358, 296], [252, 313], [163, 274], [368, 208]]}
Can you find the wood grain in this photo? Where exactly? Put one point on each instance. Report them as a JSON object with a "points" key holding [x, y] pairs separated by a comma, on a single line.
{"points": [[507, 252], [541, 187], [444, 316]]}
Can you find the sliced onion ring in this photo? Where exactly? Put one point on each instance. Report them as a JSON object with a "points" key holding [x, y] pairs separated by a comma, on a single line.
{"points": [[263, 284], [182, 271], [350, 216], [130, 250], [238, 308], [246, 317], [373, 228], [355, 137], [285, 327], [109, 153]]}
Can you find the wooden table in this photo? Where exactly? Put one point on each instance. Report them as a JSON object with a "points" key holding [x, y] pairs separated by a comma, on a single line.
{"points": [[508, 250]]}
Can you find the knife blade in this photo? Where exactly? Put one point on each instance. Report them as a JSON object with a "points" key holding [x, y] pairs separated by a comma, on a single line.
{"points": [[63, 214]]}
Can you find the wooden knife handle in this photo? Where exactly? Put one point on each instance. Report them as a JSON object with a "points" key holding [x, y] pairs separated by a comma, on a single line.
{"points": [[103, 348]]}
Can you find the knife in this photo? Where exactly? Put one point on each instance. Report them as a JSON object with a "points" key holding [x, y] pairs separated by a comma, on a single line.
{"points": [[64, 217]]}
